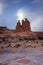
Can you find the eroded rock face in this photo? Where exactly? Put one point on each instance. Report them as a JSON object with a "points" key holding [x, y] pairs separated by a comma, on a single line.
{"points": [[24, 27], [4, 30], [23, 30]]}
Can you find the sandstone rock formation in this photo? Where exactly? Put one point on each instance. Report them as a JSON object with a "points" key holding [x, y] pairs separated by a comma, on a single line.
{"points": [[23, 30], [24, 27]]}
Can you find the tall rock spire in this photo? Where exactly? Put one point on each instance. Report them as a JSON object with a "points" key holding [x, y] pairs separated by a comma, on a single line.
{"points": [[24, 27]]}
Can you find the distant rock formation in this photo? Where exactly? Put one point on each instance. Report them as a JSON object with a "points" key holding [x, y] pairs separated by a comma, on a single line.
{"points": [[23, 30], [3, 28], [24, 27]]}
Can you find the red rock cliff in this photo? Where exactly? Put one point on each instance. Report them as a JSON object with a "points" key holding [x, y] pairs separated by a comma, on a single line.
{"points": [[24, 27]]}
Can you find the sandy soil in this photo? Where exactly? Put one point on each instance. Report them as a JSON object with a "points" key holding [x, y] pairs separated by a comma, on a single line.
{"points": [[3, 64], [24, 61], [28, 56]]}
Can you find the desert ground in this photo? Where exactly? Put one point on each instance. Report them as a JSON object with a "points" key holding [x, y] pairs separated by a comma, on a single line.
{"points": [[26, 54]]}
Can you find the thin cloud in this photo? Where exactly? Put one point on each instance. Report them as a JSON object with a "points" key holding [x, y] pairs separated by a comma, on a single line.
{"points": [[17, 1], [1, 8], [35, 18], [12, 2], [3, 5], [38, 1], [6, 3]]}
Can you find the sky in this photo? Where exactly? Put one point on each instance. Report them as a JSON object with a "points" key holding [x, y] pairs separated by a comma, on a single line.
{"points": [[13, 10]]}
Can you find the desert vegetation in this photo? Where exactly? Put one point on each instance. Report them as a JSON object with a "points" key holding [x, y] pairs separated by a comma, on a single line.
{"points": [[17, 45], [40, 37], [42, 44]]}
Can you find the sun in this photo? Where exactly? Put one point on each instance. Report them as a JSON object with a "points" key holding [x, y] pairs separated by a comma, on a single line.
{"points": [[20, 15]]}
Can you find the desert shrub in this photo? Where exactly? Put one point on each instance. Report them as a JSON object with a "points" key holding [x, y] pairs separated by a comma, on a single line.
{"points": [[40, 37], [32, 39], [4, 39], [20, 39], [9, 45], [34, 46], [17, 45], [29, 39], [42, 44], [26, 39], [1, 47], [0, 41], [37, 42]]}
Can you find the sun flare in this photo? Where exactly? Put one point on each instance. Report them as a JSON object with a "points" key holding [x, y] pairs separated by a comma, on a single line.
{"points": [[20, 15]]}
